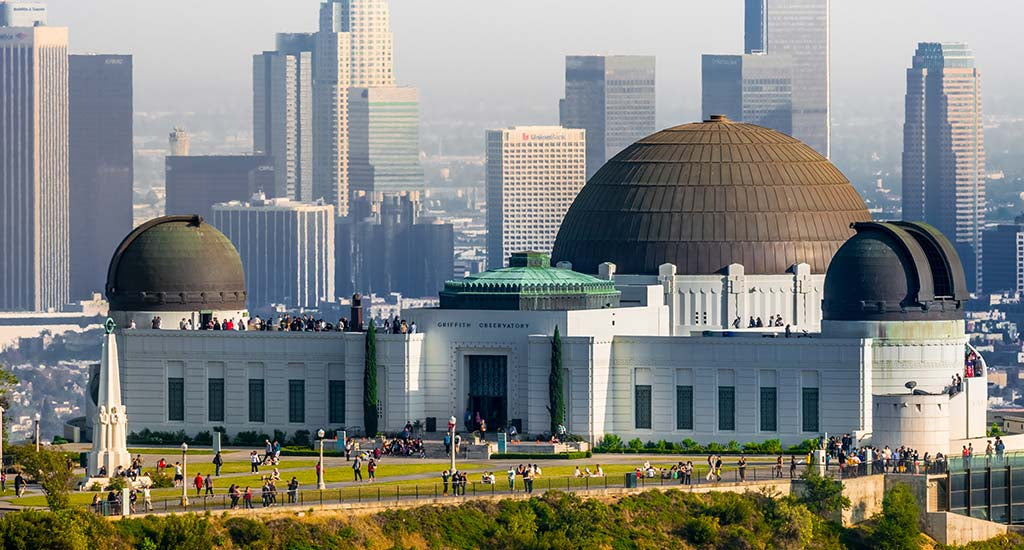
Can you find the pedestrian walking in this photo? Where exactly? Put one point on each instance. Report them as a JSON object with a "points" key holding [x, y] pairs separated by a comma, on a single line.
{"points": [[357, 469], [217, 463]]}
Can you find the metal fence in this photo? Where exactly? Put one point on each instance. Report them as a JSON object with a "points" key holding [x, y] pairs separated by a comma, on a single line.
{"points": [[384, 492]]}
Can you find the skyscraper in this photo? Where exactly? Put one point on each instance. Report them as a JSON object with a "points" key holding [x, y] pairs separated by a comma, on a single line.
{"points": [[331, 81], [282, 113], [368, 23], [22, 14], [34, 271], [753, 26], [612, 98], [754, 88], [195, 183], [101, 175], [800, 29], [178, 142], [1003, 264], [384, 139], [533, 174], [944, 149], [287, 249]]}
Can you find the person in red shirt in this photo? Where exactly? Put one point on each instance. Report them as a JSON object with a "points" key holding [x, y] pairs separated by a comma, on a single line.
{"points": [[198, 482]]}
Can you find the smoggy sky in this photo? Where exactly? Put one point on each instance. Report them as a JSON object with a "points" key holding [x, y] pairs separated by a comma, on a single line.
{"points": [[503, 60]]}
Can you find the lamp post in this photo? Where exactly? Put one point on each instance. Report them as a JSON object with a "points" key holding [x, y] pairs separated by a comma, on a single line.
{"points": [[38, 417], [1, 439], [184, 475], [451, 433], [321, 478]]}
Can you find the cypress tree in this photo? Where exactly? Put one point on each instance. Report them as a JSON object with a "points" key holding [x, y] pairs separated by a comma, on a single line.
{"points": [[370, 382], [556, 404]]}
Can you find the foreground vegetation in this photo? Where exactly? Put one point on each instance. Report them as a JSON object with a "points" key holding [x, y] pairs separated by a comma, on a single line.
{"points": [[672, 519]]}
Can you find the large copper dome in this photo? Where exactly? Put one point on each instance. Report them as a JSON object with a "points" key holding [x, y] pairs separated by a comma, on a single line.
{"points": [[709, 194]]}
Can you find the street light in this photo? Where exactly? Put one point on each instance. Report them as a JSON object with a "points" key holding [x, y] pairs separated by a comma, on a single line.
{"points": [[451, 434], [1, 439], [184, 475], [320, 482], [38, 417]]}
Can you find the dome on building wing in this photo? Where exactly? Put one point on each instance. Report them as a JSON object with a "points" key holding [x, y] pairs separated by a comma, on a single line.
{"points": [[895, 271], [709, 194], [175, 263]]}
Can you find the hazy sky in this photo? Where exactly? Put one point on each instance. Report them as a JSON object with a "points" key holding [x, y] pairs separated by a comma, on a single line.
{"points": [[506, 57]]}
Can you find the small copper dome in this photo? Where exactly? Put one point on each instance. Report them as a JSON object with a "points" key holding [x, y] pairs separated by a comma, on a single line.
{"points": [[176, 263]]}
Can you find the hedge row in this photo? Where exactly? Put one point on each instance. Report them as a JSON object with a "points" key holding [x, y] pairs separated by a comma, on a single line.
{"points": [[541, 456], [612, 443]]}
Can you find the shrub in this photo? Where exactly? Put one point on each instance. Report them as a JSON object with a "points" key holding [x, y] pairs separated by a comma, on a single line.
{"points": [[116, 484], [246, 533], [689, 445], [161, 479], [714, 447], [823, 495], [636, 444], [203, 438], [280, 437], [898, 529], [250, 439], [610, 442], [301, 439], [701, 529]]}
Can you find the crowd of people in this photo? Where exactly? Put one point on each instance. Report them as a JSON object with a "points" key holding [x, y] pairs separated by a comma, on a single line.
{"points": [[285, 323]]}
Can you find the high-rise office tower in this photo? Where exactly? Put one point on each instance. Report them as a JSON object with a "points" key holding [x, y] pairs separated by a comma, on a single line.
{"points": [[800, 29], [1003, 263], [100, 156], [282, 113], [368, 23], [195, 183], [287, 249], [22, 14], [612, 98], [533, 174], [384, 139], [385, 247], [331, 81], [944, 149], [178, 142], [753, 26], [34, 271], [754, 88]]}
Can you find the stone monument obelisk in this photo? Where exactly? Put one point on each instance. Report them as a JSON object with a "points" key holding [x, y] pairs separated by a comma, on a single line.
{"points": [[110, 426]]}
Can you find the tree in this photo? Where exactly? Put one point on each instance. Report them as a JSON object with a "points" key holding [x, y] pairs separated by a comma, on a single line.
{"points": [[7, 381], [51, 470], [370, 383], [556, 400], [898, 529], [823, 495]]}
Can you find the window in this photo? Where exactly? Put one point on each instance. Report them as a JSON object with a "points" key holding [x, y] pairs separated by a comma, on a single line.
{"points": [[769, 410], [727, 408], [216, 399], [336, 401], [684, 407], [296, 401], [176, 399], [643, 407], [256, 400], [810, 409]]}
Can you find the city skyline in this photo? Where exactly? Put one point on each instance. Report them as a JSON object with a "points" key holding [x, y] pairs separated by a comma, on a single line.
{"points": [[857, 65]]}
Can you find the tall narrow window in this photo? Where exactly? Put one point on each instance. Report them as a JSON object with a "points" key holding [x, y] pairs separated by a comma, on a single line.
{"points": [[643, 407], [176, 399], [727, 408], [810, 410], [216, 399], [296, 401], [769, 410], [336, 401], [684, 407], [256, 400]]}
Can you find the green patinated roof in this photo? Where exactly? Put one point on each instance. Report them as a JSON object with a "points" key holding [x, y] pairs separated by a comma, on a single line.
{"points": [[529, 276]]}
